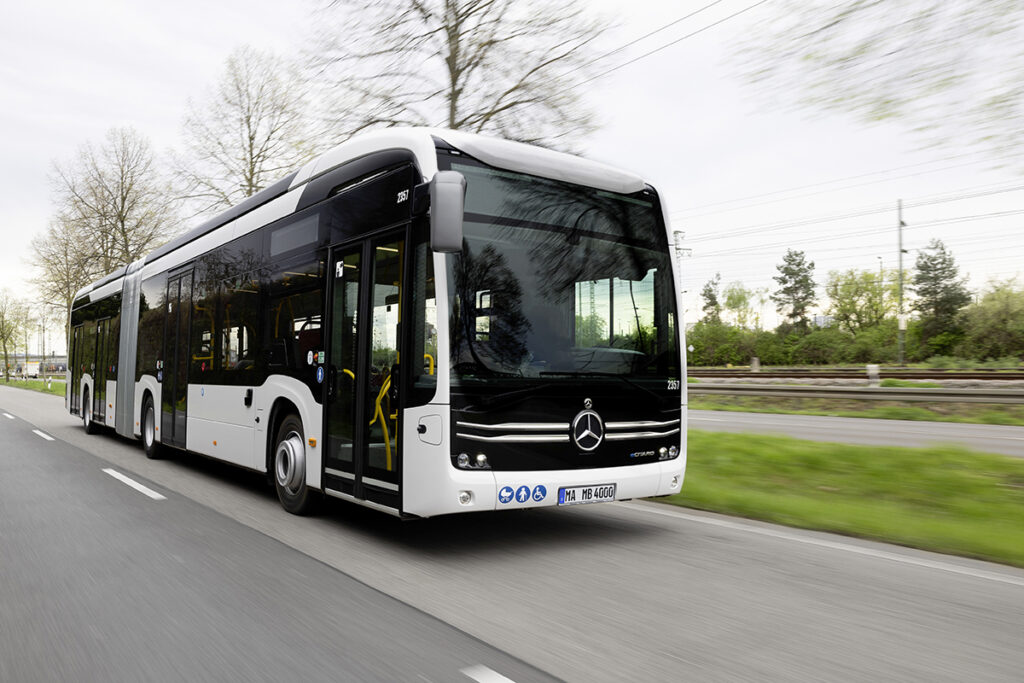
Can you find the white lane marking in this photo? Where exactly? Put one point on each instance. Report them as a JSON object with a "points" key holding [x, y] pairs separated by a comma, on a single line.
{"points": [[134, 484], [691, 418], [481, 674], [43, 434], [833, 545], [8, 416]]}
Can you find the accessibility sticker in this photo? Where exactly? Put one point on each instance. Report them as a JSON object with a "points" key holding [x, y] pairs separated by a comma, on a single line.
{"points": [[539, 492], [523, 494], [505, 494], [320, 374]]}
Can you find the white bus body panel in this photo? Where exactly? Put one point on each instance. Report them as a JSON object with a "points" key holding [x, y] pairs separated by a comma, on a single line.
{"points": [[220, 425], [310, 412], [111, 401], [431, 485]]}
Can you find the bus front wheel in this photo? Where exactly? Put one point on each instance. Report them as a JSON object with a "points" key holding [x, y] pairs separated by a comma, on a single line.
{"points": [[289, 467], [149, 442]]}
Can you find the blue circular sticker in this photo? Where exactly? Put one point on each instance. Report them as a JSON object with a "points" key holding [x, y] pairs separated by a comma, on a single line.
{"points": [[523, 494], [539, 492], [320, 375], [505, 494], [160, 376]]}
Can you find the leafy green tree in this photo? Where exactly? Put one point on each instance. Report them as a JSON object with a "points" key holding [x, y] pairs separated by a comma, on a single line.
{"points": [[591, 330], [859, 299], [715, 344], [941, 293], [709, 294], [994, 326], [738, 301], [823, 346], [795, 294]]}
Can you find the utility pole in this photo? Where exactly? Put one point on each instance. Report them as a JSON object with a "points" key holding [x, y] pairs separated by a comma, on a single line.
{"points": [[901, 320]]}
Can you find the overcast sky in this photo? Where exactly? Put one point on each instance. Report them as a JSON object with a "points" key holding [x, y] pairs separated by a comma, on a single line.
{"points": [[69, 71]]}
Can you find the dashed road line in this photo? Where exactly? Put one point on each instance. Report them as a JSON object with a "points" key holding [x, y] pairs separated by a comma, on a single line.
{"points": [[134, 484], [43, 434], [481, 674]]}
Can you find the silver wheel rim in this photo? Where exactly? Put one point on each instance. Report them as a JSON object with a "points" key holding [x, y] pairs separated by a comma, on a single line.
{"points": [[290, 463], [148, 427]]}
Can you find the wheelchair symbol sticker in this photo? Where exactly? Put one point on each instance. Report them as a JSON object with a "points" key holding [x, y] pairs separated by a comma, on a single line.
{"points": [[539, 493]]}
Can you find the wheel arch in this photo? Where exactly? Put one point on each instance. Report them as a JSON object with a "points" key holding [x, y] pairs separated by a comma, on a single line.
{"points": [[281, 408]]}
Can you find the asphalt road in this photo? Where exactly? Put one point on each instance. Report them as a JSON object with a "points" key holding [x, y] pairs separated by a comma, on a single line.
{"points": [[103, 581], [634, 591], [1003, 439]]}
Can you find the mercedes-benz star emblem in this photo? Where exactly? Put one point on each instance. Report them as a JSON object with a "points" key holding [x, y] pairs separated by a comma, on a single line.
{"points": [[587, 429]]}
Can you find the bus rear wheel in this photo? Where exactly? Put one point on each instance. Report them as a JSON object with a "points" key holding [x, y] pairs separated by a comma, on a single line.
{"points": [[289, 467], [149, 442], [90, 426]]}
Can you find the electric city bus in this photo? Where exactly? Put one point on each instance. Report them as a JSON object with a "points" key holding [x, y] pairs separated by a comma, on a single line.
{"points": [[420, 321]]}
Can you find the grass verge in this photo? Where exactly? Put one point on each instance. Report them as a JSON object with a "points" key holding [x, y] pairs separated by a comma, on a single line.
{"points": [[948, 499], [976, 413], [56, 388]]}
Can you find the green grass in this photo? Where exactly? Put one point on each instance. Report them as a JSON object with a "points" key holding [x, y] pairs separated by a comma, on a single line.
{"points": [[56, 388], [975, 413], [913, 384], [945, 499]]}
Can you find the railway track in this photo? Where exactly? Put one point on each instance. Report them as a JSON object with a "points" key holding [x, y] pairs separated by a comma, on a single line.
{"points": [[856, 373], [862, 393]]}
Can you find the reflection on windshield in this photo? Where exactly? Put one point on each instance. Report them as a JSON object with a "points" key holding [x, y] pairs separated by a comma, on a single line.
{"points": [[555, 278]]}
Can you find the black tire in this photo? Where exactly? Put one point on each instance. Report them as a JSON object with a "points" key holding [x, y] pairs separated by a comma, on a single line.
{"points": [[90, 426], [289, 467], [149, 442]]}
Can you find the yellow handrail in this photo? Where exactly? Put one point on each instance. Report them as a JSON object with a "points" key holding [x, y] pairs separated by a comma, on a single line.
{"points": [[430, 358], [378, 412]]}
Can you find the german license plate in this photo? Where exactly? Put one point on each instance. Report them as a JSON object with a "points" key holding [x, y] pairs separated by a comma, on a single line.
{"points": [[581, 495]]}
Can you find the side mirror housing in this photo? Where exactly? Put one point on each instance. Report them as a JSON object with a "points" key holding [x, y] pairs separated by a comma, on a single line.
{"points": [[447, 204]]}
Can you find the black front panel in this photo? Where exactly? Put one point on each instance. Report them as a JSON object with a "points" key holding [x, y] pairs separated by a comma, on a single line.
{"points": [[531, 427]]}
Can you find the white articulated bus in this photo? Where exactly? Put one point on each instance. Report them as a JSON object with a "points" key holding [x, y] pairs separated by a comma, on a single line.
{"points": [[421, 321]]}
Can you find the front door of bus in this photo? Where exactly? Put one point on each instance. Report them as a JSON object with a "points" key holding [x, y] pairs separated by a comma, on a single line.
{"points": [[175, 369], [362, 401]]}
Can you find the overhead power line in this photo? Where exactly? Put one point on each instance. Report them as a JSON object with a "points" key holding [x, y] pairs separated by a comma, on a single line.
{"points": [[684, 215], [674, 42], [860, 233], [643, 37], [772, 227]]}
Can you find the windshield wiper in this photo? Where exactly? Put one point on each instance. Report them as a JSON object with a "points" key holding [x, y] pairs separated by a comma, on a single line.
{"points": [[623, 378]]}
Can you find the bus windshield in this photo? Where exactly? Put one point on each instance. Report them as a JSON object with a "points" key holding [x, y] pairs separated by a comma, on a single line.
{"points": [[559, 280]]}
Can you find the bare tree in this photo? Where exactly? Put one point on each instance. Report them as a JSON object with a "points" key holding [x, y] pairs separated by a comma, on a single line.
{"points": [[245, 133], [12, 321], [115, 200], [952, 71], [509, 67], [65, 262]]}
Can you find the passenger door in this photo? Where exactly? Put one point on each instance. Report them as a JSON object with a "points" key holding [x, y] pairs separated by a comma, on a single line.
{"points": [[363, 401], [177, 324]]}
